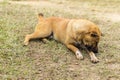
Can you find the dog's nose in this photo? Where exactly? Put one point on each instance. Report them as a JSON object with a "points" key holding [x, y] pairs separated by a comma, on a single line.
{"points": [[88, 47], [91, 48], [95, 50]]}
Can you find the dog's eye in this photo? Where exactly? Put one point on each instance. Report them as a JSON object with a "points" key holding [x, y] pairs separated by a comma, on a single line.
{"points": [[94, 35]]}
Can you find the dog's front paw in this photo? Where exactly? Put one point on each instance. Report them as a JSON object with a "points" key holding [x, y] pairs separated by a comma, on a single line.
{"points": [[79, 55], [94, 59]]}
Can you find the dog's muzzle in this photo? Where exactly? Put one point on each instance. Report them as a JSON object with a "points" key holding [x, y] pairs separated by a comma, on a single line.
{"points": [[91, 48]]}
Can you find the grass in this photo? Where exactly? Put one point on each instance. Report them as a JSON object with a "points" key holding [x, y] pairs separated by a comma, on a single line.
{"points": [[52, 60]]}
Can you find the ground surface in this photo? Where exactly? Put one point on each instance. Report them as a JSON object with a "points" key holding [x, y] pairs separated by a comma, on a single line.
{"points": [[52, 60]]}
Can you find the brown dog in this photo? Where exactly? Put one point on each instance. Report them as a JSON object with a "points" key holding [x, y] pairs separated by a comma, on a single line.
{"points": [[69, 32]]}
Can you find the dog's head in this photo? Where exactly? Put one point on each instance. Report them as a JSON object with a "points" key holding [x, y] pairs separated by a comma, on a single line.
{"points": [[91, 40]]}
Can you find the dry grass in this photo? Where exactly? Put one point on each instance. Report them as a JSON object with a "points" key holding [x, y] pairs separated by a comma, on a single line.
{"points": [[53, 61]]}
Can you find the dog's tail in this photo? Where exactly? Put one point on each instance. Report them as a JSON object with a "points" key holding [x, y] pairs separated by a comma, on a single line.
{"points": [[40, 16]]}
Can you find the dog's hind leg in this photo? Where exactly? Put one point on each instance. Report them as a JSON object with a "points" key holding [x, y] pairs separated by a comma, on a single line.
{"points": [[36, 34], [45, 40]]}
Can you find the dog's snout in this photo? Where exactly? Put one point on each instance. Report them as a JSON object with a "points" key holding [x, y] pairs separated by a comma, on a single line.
{"points": [[95, 49], [91, 48], [88, 47]]}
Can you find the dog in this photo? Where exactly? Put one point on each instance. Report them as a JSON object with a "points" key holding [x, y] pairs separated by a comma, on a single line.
{"points": [[69, 32]]}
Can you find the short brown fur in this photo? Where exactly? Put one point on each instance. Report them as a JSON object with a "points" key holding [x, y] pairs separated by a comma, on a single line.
{"points": [[69, 32]]}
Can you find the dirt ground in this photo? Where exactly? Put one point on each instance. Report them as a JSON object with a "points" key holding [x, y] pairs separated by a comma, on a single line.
{"points": [[52, 60]]}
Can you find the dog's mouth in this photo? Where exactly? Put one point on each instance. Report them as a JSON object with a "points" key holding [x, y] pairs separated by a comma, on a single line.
{"points": [[92, 48]]}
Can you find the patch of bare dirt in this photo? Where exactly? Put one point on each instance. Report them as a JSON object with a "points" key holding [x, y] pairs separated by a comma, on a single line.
{"points": [[35, 3], [109, 16], [113, 17]]}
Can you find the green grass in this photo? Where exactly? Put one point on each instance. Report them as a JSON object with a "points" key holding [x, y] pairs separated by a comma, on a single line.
{"points": [[52, 60]]}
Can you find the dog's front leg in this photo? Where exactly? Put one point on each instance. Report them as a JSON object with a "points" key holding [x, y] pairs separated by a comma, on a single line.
{"points": [[94, 59], [75, 50]]}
